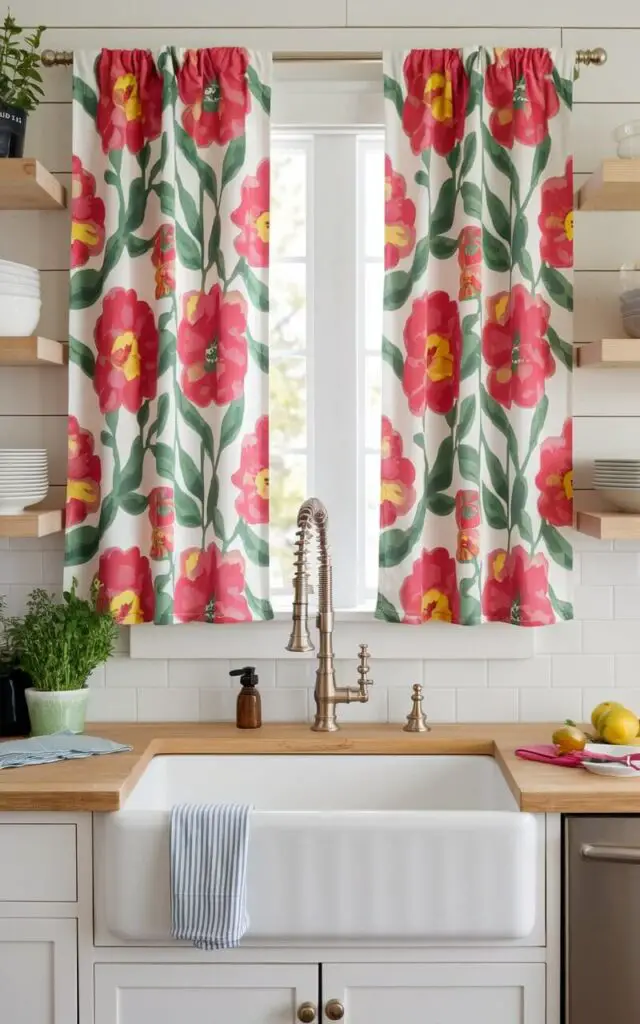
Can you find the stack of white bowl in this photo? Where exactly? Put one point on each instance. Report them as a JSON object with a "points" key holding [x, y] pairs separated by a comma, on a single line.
{"points": [[619, 482], [630, 299], [20, 301], [24, 479]]}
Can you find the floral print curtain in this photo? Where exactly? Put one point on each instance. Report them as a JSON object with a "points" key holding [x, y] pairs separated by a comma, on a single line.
{"points": [[168, 479], [476, 432]]}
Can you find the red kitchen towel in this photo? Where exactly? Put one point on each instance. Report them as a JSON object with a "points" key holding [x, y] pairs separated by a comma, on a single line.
{"points": [[548, 753]]}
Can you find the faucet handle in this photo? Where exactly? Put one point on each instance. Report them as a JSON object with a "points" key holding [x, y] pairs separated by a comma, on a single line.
{"points": [[363, 669]]}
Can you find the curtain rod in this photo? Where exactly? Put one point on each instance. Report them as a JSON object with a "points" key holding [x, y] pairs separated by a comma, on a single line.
{"points": [[597, 57]]}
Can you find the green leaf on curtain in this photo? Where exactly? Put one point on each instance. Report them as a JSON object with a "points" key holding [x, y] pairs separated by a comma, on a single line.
{"points": [[257, 291], [519, 496], [453, 157], [519, 254], [443, 247], [392, 355], [563, 609], [212, 504], [138, 246], [421, 178], [441, 472], [561, 349], [471, 199], [189, 252], [163, 611], [496, 254], [189, 150], [107, 439], [440, 504], [420, 259], [164, 320], [540, 160], [259, 352], [470, 361], [525, 526], [144, 156], [385, 610], [393, 92], [451, 416], [559, 548], [115, 159], [85, 288], [136, 206], [165, 193], [469, 151], [564, 88], [233, 159], [499, 418], [444, 210], [419, 440], [108, 512], [475, 91], [82, 356], [258, 89], [218, 524], [560, 290], [131, 475], [260, 607], [81, 545], [501, 160], [497, 474], [163, 455], [494, 510], [537, 422], [256, 548], [470, 611], [85, 96], [187, 512], [213, 253], [190, 474], [466, 416], [397, 288], [190, 210], [191, 416], [142, 415], [499, 213], [231, 423], [469, 463], [162, 159], [134, 503], [167, 351], [394, 547], [162, 415]]}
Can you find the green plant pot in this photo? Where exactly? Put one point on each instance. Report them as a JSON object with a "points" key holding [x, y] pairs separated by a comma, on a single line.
{"points": [[56, 710]]}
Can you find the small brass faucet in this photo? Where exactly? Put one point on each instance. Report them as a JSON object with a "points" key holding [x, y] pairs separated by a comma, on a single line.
{"points": [[312, 514]]}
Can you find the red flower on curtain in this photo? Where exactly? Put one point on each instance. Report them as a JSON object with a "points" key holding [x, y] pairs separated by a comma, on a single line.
{"points": [[397, 494], [84, 474], [213, 86], [399, 218], [437, 93], [126, 339], [433, 342], [431, 591], [514, 346], [469, 261], [212, 345], [162, 515], [129, 99], [519, 87], [556, 219], [126, 586], [87, 215], [554, 479], [517, 589], [252, 216], [467, 511], [211, 587], [163, 259], [252, 478]]}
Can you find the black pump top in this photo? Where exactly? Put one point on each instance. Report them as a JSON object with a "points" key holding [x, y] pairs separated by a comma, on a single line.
{"points": [[248, 676]]}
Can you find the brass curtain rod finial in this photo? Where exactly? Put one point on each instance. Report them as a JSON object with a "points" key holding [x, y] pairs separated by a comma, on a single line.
{"points": [[597, 57]]}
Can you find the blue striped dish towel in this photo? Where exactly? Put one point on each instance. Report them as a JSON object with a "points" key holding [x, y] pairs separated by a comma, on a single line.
{"points": [[61, 746], [209, 847]]}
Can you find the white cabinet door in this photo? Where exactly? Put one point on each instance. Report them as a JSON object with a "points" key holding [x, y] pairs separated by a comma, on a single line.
{"points": [[202, 993], [38, 971], [437, 993]]}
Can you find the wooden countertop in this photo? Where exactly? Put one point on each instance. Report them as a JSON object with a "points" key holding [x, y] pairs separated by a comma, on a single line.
{"points": [[103, 783]]}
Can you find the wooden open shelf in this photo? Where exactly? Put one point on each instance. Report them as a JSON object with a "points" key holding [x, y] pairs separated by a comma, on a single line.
{"points": [[26, 185], [609, 525], [31, 351], [37, 521], [614, 186], [610, 352]]}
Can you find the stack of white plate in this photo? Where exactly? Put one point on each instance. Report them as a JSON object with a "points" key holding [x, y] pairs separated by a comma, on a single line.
{"points": [[619, 482], [20, 301], [24, 478]]}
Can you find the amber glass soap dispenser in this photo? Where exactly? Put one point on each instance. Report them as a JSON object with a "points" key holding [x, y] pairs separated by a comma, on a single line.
{"points": [[249, 706]]}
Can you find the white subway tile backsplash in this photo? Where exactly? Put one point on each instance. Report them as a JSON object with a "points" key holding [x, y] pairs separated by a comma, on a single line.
{"points": [[487, 705], [97, 677], [627, 603], [23, 567], [106, 705], [617, 636], [52, 568], [535, 672], [616, 567], [438, 705], [403, 674], [563, 638], [218, 705], [588, 670], [285, 705], [593, 602], [200, 674], [295, 672], [627, 671], [455, 674], [375, 710], [181, 705], [550, 705], [124, 672]]}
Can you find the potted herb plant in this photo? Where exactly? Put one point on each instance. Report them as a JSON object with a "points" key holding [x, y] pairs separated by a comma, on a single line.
{"points": [[20, 83], [59, 643]]}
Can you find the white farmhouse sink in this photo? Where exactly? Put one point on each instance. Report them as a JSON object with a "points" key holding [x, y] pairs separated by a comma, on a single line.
{"points": [[342, 848]]}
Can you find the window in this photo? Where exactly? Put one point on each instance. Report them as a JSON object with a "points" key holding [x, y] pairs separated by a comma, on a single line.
{"points": [[325, 336]]}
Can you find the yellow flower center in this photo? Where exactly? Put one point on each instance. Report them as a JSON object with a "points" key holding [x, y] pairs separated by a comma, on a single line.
{"points": [[262, 483], [73, 445], [262, 226], [441, 104], [504, 375], [191, 563], [126, 608], [505, 115], [84, 231], [125, 354], [191, 306], [498, 565], [501, 308], [567, 484], [568, 225], [439, 358], [391, 490], [435, 605], [82, 490], [126, 96], [396, 234]]}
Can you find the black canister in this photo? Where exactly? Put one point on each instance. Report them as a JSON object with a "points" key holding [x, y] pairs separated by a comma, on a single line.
{"points": [[14, 714], [13, 125]]}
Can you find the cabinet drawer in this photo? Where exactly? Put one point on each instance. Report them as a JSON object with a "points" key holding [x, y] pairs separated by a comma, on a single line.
{"points": [[38, 863]]}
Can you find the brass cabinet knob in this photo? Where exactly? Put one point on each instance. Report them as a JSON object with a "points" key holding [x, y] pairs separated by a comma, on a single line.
{"points": [[306, 1013], [334, 1009]]}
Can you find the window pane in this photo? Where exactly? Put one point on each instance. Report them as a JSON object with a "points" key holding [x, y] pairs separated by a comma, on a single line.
{"points": [[372, 400], [288, 402], [372, 519], [374, 278], [287, 492], [374, 201], [288, 306], [288, 226]]}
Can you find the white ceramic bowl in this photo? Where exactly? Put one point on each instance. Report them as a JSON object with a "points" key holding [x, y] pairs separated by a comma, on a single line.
{"points": [[623, 499], [21, 268], [627, 136], [631, 325], [19, 315], [27, 291]]}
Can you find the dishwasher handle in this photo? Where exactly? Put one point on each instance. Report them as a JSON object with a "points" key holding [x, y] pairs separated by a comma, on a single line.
{"points": [[611, 854]]}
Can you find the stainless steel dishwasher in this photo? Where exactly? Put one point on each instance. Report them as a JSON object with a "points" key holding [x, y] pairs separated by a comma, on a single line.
{"points": [[602, 919]]}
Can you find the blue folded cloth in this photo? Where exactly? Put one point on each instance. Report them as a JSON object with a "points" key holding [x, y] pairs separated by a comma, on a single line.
{"points": [[209, 847], [61, 746]]}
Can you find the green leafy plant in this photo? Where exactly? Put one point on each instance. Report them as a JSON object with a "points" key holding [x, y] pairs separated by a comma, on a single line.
{"points": [[20, 78], [59, 643]]}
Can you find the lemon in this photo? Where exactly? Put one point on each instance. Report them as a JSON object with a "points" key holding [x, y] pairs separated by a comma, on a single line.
{"points": [[618, 725], [601, 710]]}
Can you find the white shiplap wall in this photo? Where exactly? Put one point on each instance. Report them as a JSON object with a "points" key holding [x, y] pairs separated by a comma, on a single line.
{"points": [[575, 665]]}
